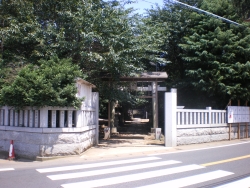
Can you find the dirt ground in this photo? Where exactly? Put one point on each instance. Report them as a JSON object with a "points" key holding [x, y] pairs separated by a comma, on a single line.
{"points": [[131, 140]]}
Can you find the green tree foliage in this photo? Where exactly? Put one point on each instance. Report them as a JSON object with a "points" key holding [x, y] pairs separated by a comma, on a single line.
{"points": [[176, 22], [210, 58], [98, 36], [242, 8], [216, 54], [50, 83], [171, 23]]}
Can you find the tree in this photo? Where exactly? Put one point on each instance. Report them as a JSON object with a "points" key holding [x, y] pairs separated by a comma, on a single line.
{"points": [[208, 56], [99, 36], [217, 54], [51, 83], [242, 8]]}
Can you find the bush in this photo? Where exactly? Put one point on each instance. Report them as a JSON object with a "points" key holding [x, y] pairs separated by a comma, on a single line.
{"points": [[50, 83]]}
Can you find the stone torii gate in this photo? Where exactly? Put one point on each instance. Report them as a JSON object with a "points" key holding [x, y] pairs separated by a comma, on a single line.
{"points": [[154, 78]]}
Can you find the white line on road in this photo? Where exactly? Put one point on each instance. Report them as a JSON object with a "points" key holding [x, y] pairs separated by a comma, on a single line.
{"points": [[6, 169], [191, 180], [111, 170], [132, 177], [243, 183], [84, 166], [190, 150]]}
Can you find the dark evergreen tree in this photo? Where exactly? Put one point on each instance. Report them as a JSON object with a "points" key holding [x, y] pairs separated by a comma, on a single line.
{"points": [[216, 55], [242, 8]]}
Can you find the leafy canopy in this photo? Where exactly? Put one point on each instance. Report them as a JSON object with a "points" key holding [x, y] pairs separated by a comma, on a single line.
{"points": [[50, 83]]}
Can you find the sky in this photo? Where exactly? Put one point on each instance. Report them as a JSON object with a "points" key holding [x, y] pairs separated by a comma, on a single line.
{"points": [[141, 5]]}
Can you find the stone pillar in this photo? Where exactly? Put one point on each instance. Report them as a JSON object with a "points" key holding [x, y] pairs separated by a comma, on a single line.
{"points": [[21, 118], [16, 118], [79, 119], [31, 118], [11, 117], [25, 118], [1, 117], [170, 118], [112, 122], [6, 116], [155, 104], [44, 117], [70, 115], [62, 117], [96, 115], [53, 118], [36, 118]]}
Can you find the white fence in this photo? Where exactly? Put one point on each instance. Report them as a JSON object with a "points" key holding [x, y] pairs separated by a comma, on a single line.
{"points": [[189, 126], [52, 131], [47, 117], [189, 118], [51, 117]]}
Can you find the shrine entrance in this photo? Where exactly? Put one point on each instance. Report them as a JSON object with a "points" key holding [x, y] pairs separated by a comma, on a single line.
{"points": [[139, 121]]}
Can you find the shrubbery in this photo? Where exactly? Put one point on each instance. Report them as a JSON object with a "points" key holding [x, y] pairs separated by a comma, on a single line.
{"points": [[51, 83]]}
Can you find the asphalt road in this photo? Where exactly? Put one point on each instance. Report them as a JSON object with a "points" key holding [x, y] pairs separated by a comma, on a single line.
{"points": [[211, 167]]}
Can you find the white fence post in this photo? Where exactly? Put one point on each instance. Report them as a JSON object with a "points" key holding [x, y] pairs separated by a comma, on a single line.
{"points": [[6, 116], [44, 117], [70, 115], [62, 117], [210, 117], [79, 118], [53, 118], [16, 118], [31, 118], [2, 117], [21, 118], [96, 115], [170, 118], [36, 118], [11, 117], [25, 118]]}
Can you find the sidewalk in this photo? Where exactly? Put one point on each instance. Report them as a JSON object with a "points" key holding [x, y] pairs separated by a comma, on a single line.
{"points": [[125, 145], [135, 147], [131, 146]]}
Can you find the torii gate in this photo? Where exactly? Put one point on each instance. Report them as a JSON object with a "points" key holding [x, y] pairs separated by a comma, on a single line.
{"points": [[154, 78]]}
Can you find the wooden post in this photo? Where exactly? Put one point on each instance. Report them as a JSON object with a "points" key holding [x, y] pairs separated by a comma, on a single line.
{"points": [[109, 114], [238, 131], [246, 122], [238, 123], [230, 125], [230, 131], [246, 130]]}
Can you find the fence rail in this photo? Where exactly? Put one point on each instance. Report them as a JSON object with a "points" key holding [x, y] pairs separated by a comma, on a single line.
{"points": [[187, 118], [48, 117], [52, 117]]}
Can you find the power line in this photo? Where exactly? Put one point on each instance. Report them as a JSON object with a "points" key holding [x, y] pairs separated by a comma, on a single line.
{"points": [[148, 2], [208, 13]]}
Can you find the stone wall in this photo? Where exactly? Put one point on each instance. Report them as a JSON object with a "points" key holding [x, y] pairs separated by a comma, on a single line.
{"points": [[48, 143], [205, 135]]}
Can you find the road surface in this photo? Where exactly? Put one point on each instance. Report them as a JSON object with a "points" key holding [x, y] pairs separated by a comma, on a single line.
{"points": [[223, 166]]}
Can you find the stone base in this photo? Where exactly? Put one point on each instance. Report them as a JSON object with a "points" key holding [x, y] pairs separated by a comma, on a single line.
{"points": [[206, 135], [114, 130], [31, 145]]}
